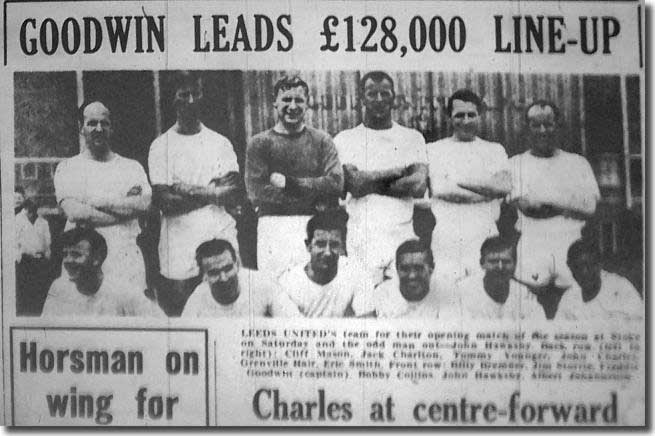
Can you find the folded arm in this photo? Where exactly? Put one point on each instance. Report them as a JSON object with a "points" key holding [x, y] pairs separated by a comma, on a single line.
{"points": [[497, 186], [135, 204], [220, 191], [172, 203], [79, 212], [260, 190], [328, 184], [361, 183], [413, 182], [446, 189], [578, 205], [272, 188]]}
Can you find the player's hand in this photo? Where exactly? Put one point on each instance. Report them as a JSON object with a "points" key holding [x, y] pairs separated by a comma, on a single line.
{"points": [[525, 204], [278, 180], [230, 179], [350, 168], [177, 188], [183, 188], [134, 191], [536, 209]]}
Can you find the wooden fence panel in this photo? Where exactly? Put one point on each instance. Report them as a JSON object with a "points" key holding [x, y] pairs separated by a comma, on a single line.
{"points": [[421, 101]]}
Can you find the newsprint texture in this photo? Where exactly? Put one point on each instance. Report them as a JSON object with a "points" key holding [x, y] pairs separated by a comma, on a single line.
{"points": [[323, 213]]}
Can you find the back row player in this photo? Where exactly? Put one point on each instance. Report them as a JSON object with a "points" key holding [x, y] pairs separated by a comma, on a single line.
{"points": [[385, 169]]}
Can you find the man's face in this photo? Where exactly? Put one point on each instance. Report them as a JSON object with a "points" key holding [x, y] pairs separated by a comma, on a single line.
{"points": [[542, 127], [291, 105], [499, 265], [187, 101], [221, 273], [19, 199], [378, 99], [465, 119], [79, 261], [414, 273], [96, 128], [586, 270], [324, 250]]}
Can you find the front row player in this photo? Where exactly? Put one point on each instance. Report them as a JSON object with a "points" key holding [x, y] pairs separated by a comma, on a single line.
{"points": [[329, 284], [599, 294], [492, 292], [227, 290], [414, 292], [84, 290]]}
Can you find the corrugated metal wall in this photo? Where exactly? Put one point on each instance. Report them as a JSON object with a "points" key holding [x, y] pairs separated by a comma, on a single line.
{"points": [[421, 99]]}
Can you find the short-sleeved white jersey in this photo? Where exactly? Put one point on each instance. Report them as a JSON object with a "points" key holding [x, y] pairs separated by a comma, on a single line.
{"points": [[351, 288], [371, 150], [196, 160], [617, 300], [111, 299], [561, 177], [255, 299]]}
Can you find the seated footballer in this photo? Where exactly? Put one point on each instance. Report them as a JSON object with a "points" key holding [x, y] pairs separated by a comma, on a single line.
{"points": [[84, 290], [328, 284], [227, 290]]}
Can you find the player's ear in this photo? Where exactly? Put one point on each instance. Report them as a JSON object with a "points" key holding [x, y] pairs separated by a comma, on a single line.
{"points": [[307, 244]]}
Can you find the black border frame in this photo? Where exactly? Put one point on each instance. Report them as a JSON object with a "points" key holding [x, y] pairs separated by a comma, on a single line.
{"points": [[104, 329], [644, 39]]}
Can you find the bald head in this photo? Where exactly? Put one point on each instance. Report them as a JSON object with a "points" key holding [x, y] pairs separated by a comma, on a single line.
{"points": [[96, 128], [542, 118], [95, 108]]}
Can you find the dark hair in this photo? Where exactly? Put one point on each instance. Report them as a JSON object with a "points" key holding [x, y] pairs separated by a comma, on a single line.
{"points": [[287, 83], [83, 106], [19, 190], [464, 95], [77, 234], [376, 76], [328, 220], [214, 247], [580, 247], [184, 78], [415, 246], [542, 103], [495, 244]]}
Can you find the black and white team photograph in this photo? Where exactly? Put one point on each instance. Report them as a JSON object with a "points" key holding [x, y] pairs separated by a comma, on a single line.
{"points": [[327, 194]]}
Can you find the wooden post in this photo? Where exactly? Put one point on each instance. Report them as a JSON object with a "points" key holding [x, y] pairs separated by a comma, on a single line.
{"points": [[79, 81], [157, 101], [626, 140]]}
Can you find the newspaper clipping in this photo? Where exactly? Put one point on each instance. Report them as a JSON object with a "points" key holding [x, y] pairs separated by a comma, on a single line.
{"points": [[323, 213]]}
